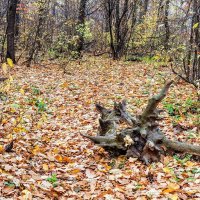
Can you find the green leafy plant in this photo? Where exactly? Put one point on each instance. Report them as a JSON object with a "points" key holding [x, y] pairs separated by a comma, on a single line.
{"points": [[112, 163], [191, 106], [121, 165], [182, 160], [191, 134], [53, 180], [35, 90], [84, 30], [41, 105], [170, 109], [9, 184], [195, 171]]}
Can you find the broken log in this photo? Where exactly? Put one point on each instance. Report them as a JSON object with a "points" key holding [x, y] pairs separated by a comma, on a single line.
{"points": [[142, 138]]}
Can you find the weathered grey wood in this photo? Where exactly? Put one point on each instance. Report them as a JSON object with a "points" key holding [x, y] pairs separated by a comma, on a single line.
{"points": [[143, 139]]}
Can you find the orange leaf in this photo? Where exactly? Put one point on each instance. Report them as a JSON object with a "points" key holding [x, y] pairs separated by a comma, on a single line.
{"points": [[64, 85], [75, 171], [1, 149], [67, 159], [59, 158]]}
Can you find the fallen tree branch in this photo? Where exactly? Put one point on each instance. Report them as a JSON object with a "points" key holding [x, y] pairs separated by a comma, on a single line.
{"points": [[182, 147]]}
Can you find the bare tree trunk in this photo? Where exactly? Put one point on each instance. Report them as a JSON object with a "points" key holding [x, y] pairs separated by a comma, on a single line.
{"points": [[11, 19], [81, 24], [143, 9], [17, 20], [118, 26], [166, 23], [36, 44], [109, 6], [189, 70]]}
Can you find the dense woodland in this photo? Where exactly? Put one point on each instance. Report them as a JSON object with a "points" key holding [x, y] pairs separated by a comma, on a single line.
{"points": [[136, 62]]}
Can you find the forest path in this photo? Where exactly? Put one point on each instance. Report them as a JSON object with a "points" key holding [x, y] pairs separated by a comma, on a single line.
{"points": [[47, 110]]}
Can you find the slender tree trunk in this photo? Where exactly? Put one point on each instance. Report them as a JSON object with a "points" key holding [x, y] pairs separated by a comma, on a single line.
{"points": [[143, 9], [118, 26], [11, 19], [17, 20], [109, 9], [117, 29], [81, 24], [36, 44], [166, 23]]}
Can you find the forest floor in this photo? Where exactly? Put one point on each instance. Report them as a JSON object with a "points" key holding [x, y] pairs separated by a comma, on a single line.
{"points": [[45, 111]]}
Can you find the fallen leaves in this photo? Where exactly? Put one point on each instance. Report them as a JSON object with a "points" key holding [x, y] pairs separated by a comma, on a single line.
{"points": [[26, 195], [171, 187], [48, 141], [64, 159]]}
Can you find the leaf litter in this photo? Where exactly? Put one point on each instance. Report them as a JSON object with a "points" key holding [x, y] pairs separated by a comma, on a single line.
{"points": [[44, 114]]}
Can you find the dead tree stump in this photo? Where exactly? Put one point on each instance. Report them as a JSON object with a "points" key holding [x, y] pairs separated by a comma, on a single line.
{"points": [[142, 139]]}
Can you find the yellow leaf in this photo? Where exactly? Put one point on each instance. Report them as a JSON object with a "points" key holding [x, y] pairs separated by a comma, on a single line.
{"points": [[10, 62], [196, 25], [56, 150], [4, 121], [172, 187], [26, 195], [107, 167], [10, 137], [75, 171], [44, 117], [190, 192], [45, 167], [22, 91], [19, 129], [4, 68], [39, 124], [36, 150], [11, 79], [64, 85], [174, 197], [189, 164], [167, 170]]}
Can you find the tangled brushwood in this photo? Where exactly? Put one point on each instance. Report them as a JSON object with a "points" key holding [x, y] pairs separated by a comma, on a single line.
{"points": [[142, 139]]}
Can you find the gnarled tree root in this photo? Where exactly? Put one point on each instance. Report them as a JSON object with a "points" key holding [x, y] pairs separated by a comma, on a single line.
{"points": [[142, 139]]}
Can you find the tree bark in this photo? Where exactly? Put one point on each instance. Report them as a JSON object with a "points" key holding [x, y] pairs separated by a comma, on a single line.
{"points": [[118, 26], [166, 23], [11, 19], [81, 24]]}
